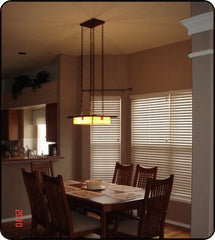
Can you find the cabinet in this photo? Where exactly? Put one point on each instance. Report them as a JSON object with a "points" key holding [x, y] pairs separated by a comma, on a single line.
{"points": [[51, 122], [11, 125]]}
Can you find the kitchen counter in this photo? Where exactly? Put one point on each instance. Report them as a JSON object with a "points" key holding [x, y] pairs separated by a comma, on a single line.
{"points": [[31, 159]]}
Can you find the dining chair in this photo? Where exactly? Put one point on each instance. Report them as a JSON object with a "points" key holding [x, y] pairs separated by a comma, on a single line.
{"points": [[39, 208], [141, 175], [153, 212], [65, 221], [44, 167], [140, 179], [122, 174]]}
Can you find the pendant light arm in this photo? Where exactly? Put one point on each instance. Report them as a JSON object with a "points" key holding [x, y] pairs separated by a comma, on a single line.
{"points": [[93, 70], [92, 118], [82, 70], [91, 62], [102, 68]]}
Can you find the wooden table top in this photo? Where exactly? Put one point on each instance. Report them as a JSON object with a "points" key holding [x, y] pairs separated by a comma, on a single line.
{"points": [[112, 198], [111, 194]]}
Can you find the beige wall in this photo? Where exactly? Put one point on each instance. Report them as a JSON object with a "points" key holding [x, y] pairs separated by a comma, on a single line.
{"points": [[46, 94], [13, 191], [201, 7], [116, 77], [160, 69], [155, 70], [68, 98]]}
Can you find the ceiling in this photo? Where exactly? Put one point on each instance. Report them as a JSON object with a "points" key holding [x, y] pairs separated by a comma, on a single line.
{"points": [[45, 29]]}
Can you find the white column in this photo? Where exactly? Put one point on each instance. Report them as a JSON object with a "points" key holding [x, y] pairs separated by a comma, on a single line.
{"points": [[200, 28]]}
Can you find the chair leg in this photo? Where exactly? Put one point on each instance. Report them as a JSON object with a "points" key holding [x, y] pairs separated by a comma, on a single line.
{"points": [[53, 234], [47, 232], [33, 228], [161, 235]]}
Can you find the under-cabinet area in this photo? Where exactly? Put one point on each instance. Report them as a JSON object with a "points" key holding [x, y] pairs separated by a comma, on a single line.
{"points": [[29, 132]]}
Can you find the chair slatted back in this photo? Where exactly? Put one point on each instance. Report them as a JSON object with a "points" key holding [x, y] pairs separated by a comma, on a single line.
{"points": [[122, 174], [141, 175], [58, 204], [45, 167], [39, 208], [155, 206]]}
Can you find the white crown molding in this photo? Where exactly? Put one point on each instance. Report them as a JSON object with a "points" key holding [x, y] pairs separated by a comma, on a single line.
{"points": [[199, 23], [201, 53]]}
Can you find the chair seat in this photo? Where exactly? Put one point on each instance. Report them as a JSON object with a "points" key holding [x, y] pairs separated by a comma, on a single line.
{"points": [[83, 223], [128, 227], [134, 213], [152, 215], [65, 221]]}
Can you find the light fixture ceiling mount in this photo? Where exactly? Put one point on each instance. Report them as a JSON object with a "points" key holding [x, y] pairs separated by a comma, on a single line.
{"points": [[92, 118]]}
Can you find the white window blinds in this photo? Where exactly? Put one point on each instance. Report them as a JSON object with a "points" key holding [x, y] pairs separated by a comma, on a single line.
{"points": [[105, 141], [161, 129]]}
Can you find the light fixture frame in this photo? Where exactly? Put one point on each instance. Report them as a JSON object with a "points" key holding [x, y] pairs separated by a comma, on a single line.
{"points": [[92, 118]]}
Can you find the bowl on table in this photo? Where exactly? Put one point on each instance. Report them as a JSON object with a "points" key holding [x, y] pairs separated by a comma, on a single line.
{"points": [[94, 184]]}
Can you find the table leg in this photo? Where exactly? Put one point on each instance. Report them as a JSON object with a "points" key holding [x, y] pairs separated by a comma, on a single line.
{"points": [[104, 225]]}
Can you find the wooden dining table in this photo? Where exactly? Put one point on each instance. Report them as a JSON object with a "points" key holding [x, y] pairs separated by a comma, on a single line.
{"points": [[108, 198]]}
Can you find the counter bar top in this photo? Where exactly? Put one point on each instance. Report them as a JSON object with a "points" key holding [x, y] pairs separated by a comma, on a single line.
{"points": [[32, 159]]}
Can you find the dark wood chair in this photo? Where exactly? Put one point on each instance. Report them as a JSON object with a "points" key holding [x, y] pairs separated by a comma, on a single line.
{"points": [[44, 167], [64, 221], [39, 208], [141, 175], [153, 213], [140, 179], [122, 174]]}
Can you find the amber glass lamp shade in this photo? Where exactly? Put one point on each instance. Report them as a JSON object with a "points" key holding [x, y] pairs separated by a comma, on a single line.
{"points": [[91, 120]]}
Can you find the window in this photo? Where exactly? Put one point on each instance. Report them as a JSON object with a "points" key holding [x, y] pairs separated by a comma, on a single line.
{"points": [[39, 119], [161, 134], [42, 145], [105, 141]]}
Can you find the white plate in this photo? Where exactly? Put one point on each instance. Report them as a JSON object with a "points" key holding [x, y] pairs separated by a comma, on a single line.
{"points": [[94, 189]]}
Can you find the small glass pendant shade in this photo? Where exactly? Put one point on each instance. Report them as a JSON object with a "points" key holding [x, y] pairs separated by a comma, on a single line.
{"points": [[91, 120]]}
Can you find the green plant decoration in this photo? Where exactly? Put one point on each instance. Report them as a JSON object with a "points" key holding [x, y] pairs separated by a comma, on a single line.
{"points": [[24, 81]]}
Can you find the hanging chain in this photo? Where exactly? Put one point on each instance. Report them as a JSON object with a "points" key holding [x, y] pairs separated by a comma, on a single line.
{"points": [[91, 64], [93, 70], [102, 68], [82, 70]]}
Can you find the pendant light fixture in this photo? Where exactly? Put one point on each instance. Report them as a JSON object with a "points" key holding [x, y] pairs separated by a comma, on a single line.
{"points": [[92, 118]]}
